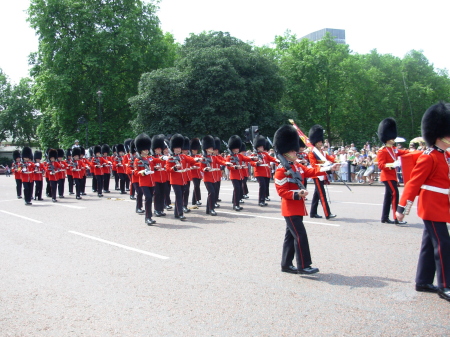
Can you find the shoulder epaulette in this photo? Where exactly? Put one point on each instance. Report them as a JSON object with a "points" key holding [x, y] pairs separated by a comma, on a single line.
{"points": [[381, 148]]}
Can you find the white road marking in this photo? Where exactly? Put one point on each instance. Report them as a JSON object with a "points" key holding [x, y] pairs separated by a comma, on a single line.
{"points": [[361, 203], [121, 246], [20, 216], [10, 200], [69, 206], [268, 217]]}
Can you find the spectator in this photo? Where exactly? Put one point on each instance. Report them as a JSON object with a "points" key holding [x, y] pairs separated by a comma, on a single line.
{"points": [[369, 163]]}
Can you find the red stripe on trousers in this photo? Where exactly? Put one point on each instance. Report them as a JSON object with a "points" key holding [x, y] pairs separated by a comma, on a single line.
{"points": [[444, 281]]}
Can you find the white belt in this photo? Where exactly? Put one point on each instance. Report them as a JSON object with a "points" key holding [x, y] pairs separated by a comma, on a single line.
{"points": [[435, 189], [263, 165]]}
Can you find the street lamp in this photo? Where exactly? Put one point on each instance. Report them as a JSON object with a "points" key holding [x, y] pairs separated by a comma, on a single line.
{"points": [[82, 121], [99, 94]]}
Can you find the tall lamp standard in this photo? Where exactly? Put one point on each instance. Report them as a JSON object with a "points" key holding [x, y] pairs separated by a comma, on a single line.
{"points": [[100, 108], [82, 121]]}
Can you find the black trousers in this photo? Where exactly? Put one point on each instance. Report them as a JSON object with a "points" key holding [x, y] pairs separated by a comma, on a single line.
{"points": [[295, 243], [217, 191], [267, 187], [106, 179], [27, 191], [179, 193], [139, 194], [196, 195], [99, 181], [122, 180], [212, 196], [132, 191], [83, 185], [116, 179], [186, 190], [53, 186], [94, 183], [390, 199], [61, 187], [319, 194], [48, 188], [237, 191], [434, 257], [19, 187], [127, 181], [167, 200], [262, 189], [78, 184], [159, 197], [244, 186], [70, 180], [148, 192], [38, 189]]}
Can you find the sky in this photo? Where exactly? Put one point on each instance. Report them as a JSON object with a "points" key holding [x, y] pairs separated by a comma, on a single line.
{"points": [[392, 27]]}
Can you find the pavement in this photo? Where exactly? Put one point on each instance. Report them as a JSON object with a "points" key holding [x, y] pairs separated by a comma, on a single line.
{"points": [[92, 267]]}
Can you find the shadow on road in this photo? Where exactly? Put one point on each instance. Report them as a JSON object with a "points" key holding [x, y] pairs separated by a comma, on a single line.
{"points": [[355, 281]]}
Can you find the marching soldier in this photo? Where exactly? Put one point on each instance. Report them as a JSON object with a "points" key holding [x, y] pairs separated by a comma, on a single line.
{"points": [[218, 173], [106, 168], [316, 138], [113, 168], [77, 168], [245, 174], [27, 172], [196, 174], [388, 161], [185, 150], [53, 167], [128, 161], [160, 176], [135, 179], [119, 167], [16, 167], [61, 176], [39, 172], [289, 179], [430, 179], [69, 163], [86, 165], [97, 164], [262, 169]]}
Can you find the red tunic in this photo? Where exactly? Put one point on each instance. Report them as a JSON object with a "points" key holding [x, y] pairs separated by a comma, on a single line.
{"points": [[52, 168], [118, 164], [214, 167], [139, 165], [314, 160], [197, 173], [15, 169], [238, 161], [286, 188], [77, 169], [262, 169], [39, 171], [387, 155], [107, 166], [97, 164], [178, 176], [27, 172], [430, 180], [62, 170]]}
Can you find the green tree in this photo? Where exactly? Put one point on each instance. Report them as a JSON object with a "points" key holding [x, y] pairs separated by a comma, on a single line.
{"points": [[219, 85], [94, 46]]}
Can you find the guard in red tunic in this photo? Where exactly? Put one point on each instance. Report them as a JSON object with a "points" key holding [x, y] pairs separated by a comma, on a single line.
{"points": [[262, 169], [61, 173], [97, 164], [27, 174], [160, 175], [38, 175], [16, 167], [430, 180], [85, 162], [135, 179], [126, 161], [52, 167], [245, 174], [187, 187], [107, 167], [388, 161], [119, 167], [235, 162], [69, 163], [196, 174], [316, 136], [177, 165], [77, 167], [289, 179]]}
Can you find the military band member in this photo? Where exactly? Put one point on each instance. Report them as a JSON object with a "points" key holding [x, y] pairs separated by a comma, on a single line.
{"points": [[176, 166], [77, 168], [262, 169], [97, 164], [86, 165], [160, 176], [196, 174], [430, 180], [16, 168], [245, 174], [52, 167], [106, 168], [61, 173], [187, 187], [388, 161], [287, 143], [218, 173], [113, 169], [38, 175], [128, 161], [316, 137], [119, 168], [69, 162], [167, 186], [135, 180], [27, 172]]}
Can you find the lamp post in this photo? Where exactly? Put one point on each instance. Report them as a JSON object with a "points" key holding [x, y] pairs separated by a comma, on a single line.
{"points": [[82, 121], [100, 108]]}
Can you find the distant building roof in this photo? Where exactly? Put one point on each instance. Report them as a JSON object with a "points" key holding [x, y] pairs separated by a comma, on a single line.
{"points": [[338, 34]]}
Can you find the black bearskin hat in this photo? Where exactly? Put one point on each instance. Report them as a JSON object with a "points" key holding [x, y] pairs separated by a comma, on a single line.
{"points": [[207, 142], [60, 153], [127, 143], [286, 139], [52, 153], [315, 134], [76, 151], [186, 144], [114, 148], [387, 129], [234, 142], [243, 148], [82, 151], [177, 140], [195, 144], [106, 148], [120, 148], [259, 141], [37, 154], [436, 122], [96, 149], [16, 154], [68, 153], [142, 142], [27, 153], [267, 146], [132, 147], [217, 143], [91, 151], [158, 142]]}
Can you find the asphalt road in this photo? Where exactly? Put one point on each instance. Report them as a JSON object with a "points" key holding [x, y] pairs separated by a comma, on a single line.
{"points": [[93, 268]]}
